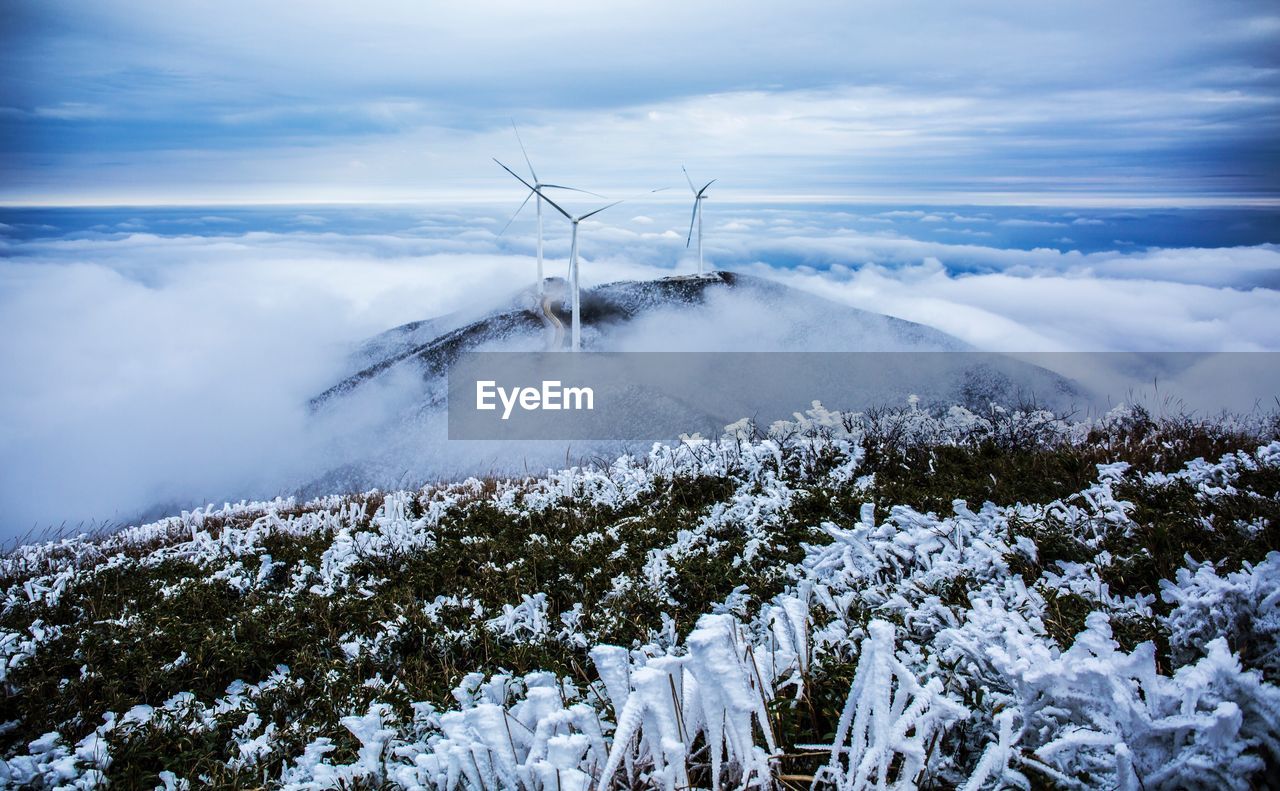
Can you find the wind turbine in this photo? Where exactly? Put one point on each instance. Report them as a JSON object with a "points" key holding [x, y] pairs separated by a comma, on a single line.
{"points": [[535, 188], [576, 332], [698, 196]]}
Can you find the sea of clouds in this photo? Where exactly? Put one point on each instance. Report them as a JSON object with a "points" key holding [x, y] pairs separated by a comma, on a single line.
{"points": [[156, 362]]}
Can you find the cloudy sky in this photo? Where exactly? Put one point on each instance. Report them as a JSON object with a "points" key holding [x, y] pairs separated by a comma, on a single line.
{"points": [[235, 101], [1025, 176]]}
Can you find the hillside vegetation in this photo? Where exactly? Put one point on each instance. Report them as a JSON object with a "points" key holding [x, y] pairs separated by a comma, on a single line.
{"points": [[895, 599]]}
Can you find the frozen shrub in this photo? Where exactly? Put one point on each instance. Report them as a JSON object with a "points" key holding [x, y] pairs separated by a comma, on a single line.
{"points": [[889, 721], [977, 599], [1242, 607]]}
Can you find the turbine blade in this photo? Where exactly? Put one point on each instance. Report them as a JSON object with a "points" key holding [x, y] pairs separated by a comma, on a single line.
{"points": [[692, 188], [553, 204], [692, 219], [597, 211], [570, 189], [523, 203], [639, 195], [522, 151], [704, 186]]}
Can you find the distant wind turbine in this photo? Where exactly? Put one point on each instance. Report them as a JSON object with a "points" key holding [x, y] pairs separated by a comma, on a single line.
{"points": [[576, 332], [535, 189], [698, 196]]}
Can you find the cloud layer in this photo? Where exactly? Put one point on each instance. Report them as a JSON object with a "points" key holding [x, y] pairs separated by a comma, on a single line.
{"points": [[232, 101], [150, 369]]}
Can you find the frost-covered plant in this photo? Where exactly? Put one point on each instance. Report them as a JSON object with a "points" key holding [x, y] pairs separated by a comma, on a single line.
{"points": [[889, 723], [1243, 607], [717, 693], [1099, 716], [707, 614]]}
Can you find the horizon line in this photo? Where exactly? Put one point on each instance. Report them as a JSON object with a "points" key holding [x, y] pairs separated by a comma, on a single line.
{"points": [[995, 199]]}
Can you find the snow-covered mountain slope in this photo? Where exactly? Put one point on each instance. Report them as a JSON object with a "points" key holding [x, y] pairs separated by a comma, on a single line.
{"points": [[385, 424], [719, 312], [907, 600], [722, 311]]}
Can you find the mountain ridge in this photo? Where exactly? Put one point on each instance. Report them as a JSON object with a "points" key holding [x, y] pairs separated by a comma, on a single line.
{"points": [[604, 308]]}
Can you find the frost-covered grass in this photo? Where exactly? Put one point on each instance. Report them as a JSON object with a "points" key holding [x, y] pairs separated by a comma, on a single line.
{"points": [[896, 599]]}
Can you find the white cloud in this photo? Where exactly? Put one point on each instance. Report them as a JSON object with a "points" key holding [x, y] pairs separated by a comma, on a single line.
{"points": [[71, 111], [146, 369], [913, 213], [142, 369], [1020, 223], [1066, 311], [208, 219]]}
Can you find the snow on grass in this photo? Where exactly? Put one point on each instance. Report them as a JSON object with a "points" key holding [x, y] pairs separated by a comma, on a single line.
{"points": [[889, 600]]}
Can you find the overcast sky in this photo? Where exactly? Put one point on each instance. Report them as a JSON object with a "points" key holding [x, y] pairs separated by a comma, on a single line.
{"points": [[237, 101]]}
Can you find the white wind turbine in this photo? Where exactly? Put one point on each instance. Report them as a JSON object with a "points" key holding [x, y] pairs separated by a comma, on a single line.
{"points": [[698, 196], [576, 332], [535, 189]]}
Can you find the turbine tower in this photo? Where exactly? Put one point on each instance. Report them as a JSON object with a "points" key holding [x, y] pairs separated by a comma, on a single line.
{"points": [[576, 331], [535, 189], [698, 196]]}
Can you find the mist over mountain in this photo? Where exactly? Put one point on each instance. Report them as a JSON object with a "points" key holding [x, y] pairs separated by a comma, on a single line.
{"points": [[167, 356], [397, 391], [397, 386], [722, 311]]}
